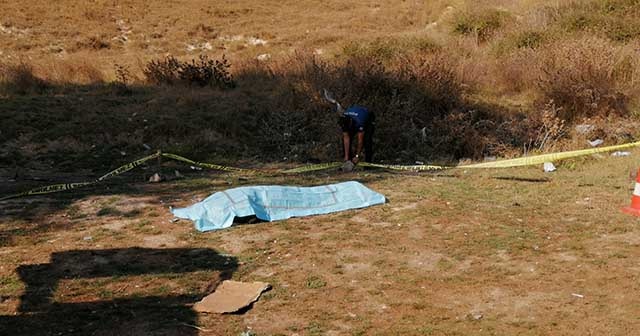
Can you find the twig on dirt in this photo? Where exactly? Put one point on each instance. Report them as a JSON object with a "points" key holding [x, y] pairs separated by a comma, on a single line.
{"points": [[195, 327]]}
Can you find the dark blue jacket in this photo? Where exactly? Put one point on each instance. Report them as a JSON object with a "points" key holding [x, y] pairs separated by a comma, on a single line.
{"points": [[359, 115]]}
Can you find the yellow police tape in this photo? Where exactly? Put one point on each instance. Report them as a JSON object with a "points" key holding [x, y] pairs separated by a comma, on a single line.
{"points": [[206, 165], [313, 167], [404, 167], [510, 163], [540, 159], [68, 186]]}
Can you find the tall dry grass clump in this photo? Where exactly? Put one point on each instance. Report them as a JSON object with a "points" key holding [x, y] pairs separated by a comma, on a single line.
{"points": [[19, 78], [48, 74], [586, 77], [72, 71], [201, 72], [481, 23], [406, 96]]}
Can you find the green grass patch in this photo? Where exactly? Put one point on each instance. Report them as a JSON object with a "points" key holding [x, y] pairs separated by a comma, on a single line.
{"points": [[315, 282], [108, 211]]}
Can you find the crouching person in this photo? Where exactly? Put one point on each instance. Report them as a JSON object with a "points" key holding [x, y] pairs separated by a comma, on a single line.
{"points": [[357, 124]]}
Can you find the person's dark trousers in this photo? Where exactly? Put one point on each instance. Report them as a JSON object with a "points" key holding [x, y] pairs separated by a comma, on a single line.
{"points": [[367, 146]]}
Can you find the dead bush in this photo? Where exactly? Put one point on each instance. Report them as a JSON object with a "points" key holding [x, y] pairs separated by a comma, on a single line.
{"points": [[581, 77], [406, 96], [548, 129], [515, 72], [20, 79], [480, 24], [93, 43], [78, 70], [616, 20], [201, 72]]}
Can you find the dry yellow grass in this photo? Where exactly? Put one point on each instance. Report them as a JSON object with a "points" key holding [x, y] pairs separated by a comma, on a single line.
{"points": [[504, 252], [128, 30], [508, 57]]}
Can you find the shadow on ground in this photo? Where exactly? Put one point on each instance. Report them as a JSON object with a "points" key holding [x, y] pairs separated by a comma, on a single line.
{"points": [[39, 314]]}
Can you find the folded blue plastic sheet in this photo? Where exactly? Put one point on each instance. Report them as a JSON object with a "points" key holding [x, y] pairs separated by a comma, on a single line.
{"points": [[272, 203]]}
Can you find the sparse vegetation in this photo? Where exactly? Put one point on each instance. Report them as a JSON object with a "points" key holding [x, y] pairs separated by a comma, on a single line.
{"points": [[87, 86], [202, 72], [449, 89], [582, 77], [20, 79], [480, 24]]}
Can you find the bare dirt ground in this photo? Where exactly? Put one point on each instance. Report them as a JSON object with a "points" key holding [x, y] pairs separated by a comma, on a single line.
{"points": [[494, 252]]}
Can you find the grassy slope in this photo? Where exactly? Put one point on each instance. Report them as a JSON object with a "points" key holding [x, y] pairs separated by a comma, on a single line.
{"points": [[157, 27], [462, 253]]}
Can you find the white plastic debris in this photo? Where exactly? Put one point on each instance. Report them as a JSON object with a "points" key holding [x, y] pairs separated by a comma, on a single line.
{"points": [[263, 57], [548, 167], [577, 295], [147, 147], [584, 128], [620, 153], [596, 142], [155, 178], [256, 41], [195, 168]]}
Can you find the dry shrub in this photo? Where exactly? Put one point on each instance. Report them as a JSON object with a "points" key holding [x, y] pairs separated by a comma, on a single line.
{"points": [[583, 78], [461, 133], [95, 43], [20, 79], [406, 96], [547, 129], [201, 72], [515, 72], [617, 20], [390, 48], [482, 23]]}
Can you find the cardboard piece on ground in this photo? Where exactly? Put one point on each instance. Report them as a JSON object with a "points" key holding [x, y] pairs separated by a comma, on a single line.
{"points": [[231, 296]]}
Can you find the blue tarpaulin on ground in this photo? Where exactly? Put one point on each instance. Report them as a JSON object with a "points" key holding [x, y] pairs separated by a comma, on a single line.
{"points": [[272, 203]]}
